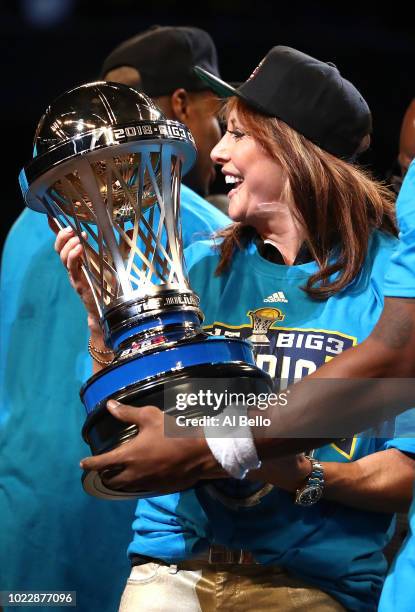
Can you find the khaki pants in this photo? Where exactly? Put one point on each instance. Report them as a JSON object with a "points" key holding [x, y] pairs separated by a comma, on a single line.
{"points": [[226, 588]]}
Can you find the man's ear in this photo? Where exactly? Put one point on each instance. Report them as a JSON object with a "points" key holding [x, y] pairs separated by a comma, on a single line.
{"points": [[404, 161], [180, 103]]}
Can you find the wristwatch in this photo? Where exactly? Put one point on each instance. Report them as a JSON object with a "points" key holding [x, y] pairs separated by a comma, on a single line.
{"points": [[312, 490]]}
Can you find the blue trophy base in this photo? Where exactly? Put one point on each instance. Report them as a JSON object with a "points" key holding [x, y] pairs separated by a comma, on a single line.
{"points": [[155, 378]]}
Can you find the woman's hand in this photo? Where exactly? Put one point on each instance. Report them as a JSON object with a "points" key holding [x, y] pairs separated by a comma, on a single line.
{"points": [[69, 248]]}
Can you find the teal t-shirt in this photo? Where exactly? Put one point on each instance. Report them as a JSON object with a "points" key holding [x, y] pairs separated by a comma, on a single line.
{"points": [[398, 594], [399, 591], [400, 275], [53, 535], [335, 547]]}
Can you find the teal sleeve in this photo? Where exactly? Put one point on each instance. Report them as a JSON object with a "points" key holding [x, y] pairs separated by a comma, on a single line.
{"points": [[400, 274]]}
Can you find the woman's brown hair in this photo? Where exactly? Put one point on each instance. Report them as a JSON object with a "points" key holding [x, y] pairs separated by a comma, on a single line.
{"points": [[337, 203]]}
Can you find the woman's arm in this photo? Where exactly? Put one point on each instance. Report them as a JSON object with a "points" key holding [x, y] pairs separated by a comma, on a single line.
{"points": [[69, 248]]}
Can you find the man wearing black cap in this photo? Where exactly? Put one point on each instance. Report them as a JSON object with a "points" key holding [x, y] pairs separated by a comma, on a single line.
{"points": [[160, 62]]}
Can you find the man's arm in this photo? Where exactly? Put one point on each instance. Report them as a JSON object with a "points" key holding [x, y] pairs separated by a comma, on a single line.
{"points": [[389, 351], [323, 406], [380, 482]]}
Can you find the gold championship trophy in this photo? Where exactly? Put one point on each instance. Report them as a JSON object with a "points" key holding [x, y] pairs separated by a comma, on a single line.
{"points": [[108, 163]]}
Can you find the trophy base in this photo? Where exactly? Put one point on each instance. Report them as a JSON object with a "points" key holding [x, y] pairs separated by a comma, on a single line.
{"points": [[102, 432], [93, 485]]}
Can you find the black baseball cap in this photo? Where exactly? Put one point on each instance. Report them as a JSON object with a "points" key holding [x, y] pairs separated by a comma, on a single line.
{"points": [[165, 58], [309, 95]]}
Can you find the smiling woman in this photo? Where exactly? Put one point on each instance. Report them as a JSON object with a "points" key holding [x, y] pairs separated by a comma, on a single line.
{"points": [[261, 183], [261, 197], [300, 274], [293, 192]]}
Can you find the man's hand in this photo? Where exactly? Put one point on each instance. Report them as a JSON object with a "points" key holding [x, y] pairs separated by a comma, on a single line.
{"points": [[288, 473], [152, 461]]}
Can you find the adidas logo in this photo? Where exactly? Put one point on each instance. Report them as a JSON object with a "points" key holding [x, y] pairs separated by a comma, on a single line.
{"points": [[278, 296]]}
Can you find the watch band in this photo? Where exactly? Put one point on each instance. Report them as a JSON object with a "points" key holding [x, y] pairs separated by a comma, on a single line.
{"points": [[312, 489]]}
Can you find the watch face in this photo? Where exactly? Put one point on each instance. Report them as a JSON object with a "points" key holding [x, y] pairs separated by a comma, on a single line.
{"points": [[309, 495]]}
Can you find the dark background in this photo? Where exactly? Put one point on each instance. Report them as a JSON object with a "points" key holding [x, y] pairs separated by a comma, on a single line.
{"points": [[48, 46]]}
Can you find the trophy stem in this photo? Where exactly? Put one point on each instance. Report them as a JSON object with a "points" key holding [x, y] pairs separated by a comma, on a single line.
{"points": [[136, 325]]}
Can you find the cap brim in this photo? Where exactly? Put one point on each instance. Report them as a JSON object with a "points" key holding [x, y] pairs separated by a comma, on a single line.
{"points": [[223, 89]]}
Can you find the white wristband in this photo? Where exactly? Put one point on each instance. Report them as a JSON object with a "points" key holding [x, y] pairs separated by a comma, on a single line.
{"points": [[235, 450]]}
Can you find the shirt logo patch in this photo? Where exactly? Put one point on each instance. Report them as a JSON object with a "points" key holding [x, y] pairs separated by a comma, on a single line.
{"points": [[278, 296], [286, 353]]}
